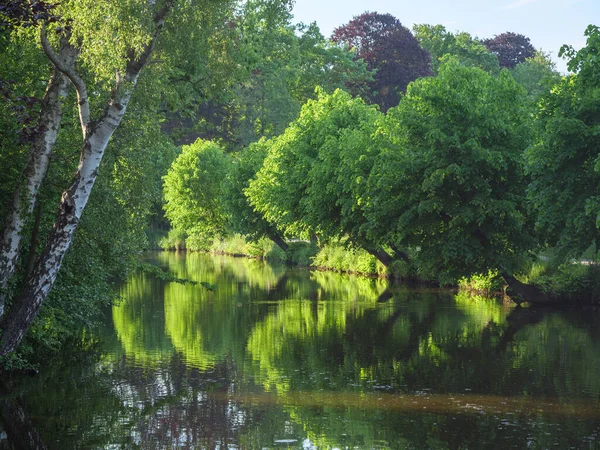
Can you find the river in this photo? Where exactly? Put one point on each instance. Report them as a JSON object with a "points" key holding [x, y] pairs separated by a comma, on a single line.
{"points": [[269, 357]]}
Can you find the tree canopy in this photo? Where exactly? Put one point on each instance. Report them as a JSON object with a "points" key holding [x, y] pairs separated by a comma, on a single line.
{"points": [[450, 182], [387, 47], [312, 172], [193, 192], [510, 48], [467, 50], [564, 163]]}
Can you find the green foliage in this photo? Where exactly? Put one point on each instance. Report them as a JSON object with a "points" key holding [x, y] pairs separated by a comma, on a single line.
{"points": [[343, 259], [467, 50], [449, 182], [275, 68], [536, 74], [301, 253], [192, 190], [564, 162], [573, 282], [313, 173], [175, 240], [242, 216], [489, 283]]}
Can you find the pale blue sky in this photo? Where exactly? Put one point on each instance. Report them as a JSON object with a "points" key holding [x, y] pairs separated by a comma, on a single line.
{"points": [[548, 23]]}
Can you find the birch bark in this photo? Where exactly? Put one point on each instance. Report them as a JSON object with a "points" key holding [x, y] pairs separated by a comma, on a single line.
{"points": [[24, 309], [25, 195]]}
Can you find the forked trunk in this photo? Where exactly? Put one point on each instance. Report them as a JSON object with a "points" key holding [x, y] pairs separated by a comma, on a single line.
{"points": [[25, 195], [24, 309]]}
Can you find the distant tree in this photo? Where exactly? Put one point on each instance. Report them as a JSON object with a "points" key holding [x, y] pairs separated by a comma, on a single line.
{"points": [[510, 48], [468, 50], [192, 192], [390, 49], [536, 74], [274, 68]]}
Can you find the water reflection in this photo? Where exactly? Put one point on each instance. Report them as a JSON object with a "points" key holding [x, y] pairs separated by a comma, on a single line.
{"points": [[279, 358]]}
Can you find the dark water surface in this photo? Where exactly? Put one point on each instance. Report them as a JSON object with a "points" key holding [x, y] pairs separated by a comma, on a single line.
{"points": [[278, 358]]}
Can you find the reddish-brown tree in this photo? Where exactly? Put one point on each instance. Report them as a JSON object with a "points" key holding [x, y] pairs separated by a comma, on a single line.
{"points": [[510, 48], [390, 49]]}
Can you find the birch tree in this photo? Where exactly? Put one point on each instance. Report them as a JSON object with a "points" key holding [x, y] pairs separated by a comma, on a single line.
{"points": [[105, 46]]}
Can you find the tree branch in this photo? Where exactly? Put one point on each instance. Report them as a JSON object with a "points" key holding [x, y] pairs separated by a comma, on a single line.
{"points": [[82, 97]]}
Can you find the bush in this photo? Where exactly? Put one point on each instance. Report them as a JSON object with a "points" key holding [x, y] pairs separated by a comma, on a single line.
{"points": [[341, 259], [301, 253], [231, 245], [175, 240], [574, 282], [488, 284]]}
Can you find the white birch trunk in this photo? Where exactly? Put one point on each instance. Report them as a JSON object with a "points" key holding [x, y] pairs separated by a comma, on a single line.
{"points": [[73, 202], [24, 309], [25, 195]]}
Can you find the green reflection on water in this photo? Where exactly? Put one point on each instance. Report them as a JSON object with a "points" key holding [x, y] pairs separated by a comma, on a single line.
{"points": [[273, 357]]}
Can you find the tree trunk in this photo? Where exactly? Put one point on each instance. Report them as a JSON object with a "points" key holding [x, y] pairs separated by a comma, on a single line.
{"points": [[35, 240], [521, 292], [20, 316], [17, 321], [277, 239], [400, 254], [25, 195], [383, 256]]}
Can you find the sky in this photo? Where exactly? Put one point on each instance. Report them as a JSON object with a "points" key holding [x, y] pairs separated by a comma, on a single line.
{"points": [[547, 23]]}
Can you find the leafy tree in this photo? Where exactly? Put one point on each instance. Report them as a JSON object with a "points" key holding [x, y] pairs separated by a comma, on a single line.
{"points": [[467, 50], [450, 183], [389, 49], [314, 175], [277, 67], [243, 218], [564, 163], [193, 192], [537, 74], [510, 48]]}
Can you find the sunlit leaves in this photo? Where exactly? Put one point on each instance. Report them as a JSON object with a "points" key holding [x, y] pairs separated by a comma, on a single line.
{"points": [[449, 182], [563, 163], [193, 191], [312, 175], [466, 49]]}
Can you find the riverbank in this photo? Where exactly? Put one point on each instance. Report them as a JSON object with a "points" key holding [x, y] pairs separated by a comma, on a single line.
{"points": [[572, 283]]}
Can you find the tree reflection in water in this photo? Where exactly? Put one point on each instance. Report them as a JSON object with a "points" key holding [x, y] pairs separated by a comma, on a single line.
{"points": [[276, 357]]}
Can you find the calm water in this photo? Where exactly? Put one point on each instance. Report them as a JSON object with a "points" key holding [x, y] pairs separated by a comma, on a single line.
{"points": [[276, 358]]}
